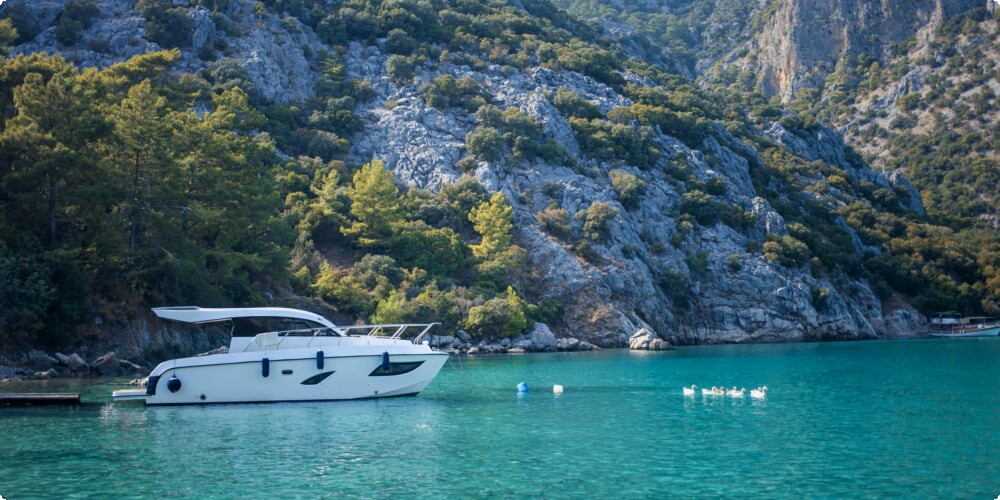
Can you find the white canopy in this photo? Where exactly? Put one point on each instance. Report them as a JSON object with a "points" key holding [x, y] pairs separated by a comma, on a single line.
{"points": [[192, 314]]}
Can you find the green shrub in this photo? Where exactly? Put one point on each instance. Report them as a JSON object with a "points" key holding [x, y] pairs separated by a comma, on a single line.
{"points": [[556, 222], [677, 287], [485, 143], [499, 317], [595, 220], [76, 17], [401, 68], [166, 25], [629, 188], [445, 92]]}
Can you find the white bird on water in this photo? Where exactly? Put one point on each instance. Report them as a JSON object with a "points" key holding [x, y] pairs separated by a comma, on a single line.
{"points": [[759, 393], [689, 391], [736, 393]]}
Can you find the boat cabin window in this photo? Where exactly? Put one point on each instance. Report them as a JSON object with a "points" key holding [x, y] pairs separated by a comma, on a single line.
{"points": [[294, 327]]}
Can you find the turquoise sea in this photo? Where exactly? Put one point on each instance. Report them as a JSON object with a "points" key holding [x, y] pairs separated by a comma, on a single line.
{"points": [[916, 419]]}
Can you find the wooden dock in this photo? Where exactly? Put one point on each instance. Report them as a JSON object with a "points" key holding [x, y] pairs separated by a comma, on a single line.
{"points": [[39, 399]]}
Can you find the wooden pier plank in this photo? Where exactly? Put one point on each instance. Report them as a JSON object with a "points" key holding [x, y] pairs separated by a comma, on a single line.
{"points": [[39, 398]]}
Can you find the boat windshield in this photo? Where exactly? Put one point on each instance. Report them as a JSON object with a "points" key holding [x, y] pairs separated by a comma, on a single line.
{"points": [[251, 326]]}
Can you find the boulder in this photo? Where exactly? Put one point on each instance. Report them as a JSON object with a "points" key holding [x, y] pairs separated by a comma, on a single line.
{"points": [[541, 337], [464, 335], [74, 362], [568, 344], [107, 365], [645, 340], [442, 341], [128, 366], [586, 346], [38, 360], [523, 344]]}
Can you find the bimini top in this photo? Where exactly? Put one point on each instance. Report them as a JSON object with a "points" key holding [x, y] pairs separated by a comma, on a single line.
{"points": [[192, 314]]}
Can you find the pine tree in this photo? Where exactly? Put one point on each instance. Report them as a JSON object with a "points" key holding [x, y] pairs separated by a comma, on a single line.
{"points": [[375, 205], [494, 220]]}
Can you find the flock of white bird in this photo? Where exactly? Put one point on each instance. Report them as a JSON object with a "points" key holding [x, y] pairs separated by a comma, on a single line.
{"points": [[758, 393]]}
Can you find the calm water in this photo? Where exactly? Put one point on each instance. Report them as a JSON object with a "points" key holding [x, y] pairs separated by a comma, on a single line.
{"points": [[860, 419]]}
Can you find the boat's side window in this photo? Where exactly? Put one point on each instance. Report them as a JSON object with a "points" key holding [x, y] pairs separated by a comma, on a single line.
{"points": [[396, 369]]}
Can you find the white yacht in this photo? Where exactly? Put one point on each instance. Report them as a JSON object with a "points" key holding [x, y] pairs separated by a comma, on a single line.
{"points": [[952, 324], [278, 354]]}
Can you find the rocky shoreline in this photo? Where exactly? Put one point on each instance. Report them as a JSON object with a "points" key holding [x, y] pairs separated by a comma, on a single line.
{"points": [[37, 365]]}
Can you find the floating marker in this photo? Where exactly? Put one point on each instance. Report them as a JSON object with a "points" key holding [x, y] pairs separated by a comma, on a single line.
{"points": [[557, 389], [522, 387]]}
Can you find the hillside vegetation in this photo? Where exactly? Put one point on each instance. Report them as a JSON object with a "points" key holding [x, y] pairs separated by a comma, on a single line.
{"points": [[146, 184]]}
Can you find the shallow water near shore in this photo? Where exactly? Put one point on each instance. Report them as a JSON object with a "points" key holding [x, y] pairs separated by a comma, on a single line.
{"points": [[916, 418]]}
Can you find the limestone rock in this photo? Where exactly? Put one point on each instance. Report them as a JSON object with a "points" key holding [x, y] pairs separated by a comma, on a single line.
{"points": [[74, 362], [645, 340], [106, 365], [39, 361], [442, 340], [541, 337], [568, 344], [789, 55]]}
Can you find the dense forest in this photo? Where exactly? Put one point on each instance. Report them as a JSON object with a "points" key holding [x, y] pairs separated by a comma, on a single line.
{"points": [[139, 184]]}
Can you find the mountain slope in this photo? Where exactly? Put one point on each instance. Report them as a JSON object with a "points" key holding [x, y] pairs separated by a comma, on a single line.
{"points": [[631, 198]]}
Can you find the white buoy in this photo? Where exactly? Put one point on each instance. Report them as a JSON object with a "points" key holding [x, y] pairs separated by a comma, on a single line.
{"points": [[557, 389]]}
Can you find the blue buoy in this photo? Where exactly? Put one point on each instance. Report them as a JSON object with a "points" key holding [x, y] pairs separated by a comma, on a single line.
{"points": [[522, 387], [385, 361], [319, 360], [174, 384], [265, 367]]}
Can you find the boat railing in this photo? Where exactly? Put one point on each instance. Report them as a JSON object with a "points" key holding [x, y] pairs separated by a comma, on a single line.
{"points": [[275, 339], [393, 331], [981, 321]]}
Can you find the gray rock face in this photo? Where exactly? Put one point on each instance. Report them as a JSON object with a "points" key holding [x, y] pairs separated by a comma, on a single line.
{"points": [[618, 293], [568, 344], [38, 360], [542, 338], [74, 362], [651, 273], [271, 50], [827, 145], [803, 39], [645, 340], [442, 340]]}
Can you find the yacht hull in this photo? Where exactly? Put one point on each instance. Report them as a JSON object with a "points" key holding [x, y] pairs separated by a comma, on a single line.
{"points": [[294, 375], [983, 332]]}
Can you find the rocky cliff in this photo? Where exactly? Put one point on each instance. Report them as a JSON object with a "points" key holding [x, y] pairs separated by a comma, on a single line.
{"points": [[802, 41], [701, 282]]}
